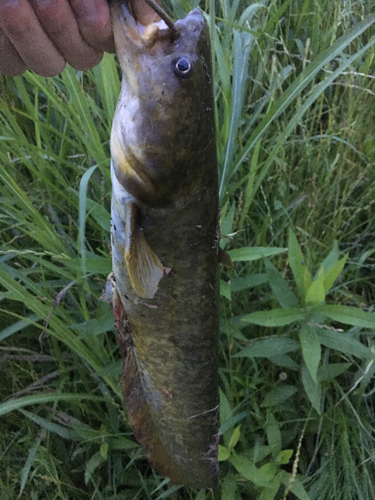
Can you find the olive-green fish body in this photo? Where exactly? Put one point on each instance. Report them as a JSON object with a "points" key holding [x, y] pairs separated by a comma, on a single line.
{"points": [[165, 243]]}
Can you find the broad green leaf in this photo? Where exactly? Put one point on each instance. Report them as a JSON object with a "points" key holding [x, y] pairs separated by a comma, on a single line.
{"points": [[269, 492], [121, 443], [227, 225], [224, 453], [332, 370], [253, 253], [250, 182], [104, 450], [315, 293], [225, 409], [93, 327], [279, 395], [333, 273], [275, 317], [296, 261], [87, 433], [235, 437], [267, 348], [285, 361], [311, 350], [259, 452], [332, 258], [285, 456], [347, 315], [92, 465], [269, 470], [250, 472], [246, 468], [343, 342], [228, 487], [225, 290], [232, 421], [312, 388], [273, 434], [280, 288], [296, 487], [307, 280], [249, 281]]}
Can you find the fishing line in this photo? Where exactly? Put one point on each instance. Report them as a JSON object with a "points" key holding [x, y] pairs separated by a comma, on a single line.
{"points": [[161, 13]]}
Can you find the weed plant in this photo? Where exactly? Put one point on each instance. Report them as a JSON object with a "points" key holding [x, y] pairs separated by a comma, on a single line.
{"points": [[295, 93]]}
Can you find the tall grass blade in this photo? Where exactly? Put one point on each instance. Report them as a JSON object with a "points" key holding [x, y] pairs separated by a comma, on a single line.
{"points": [[242, 46], [301, 82], [82, 216], [16, 404]]}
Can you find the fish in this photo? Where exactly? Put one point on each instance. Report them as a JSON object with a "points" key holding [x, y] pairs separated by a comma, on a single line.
{"points": [[164, 238]]}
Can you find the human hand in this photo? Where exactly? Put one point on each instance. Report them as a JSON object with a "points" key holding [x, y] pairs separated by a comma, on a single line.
{"points": [[43, 35]]}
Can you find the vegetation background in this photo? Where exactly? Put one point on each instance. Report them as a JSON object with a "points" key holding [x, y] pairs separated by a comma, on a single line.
{"points": [[295, 94]]}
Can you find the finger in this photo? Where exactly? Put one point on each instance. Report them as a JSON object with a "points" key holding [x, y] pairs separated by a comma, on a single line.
{"points": [[94, 21], [58, 21], [143, 13], [19, 23], [10, 62]]}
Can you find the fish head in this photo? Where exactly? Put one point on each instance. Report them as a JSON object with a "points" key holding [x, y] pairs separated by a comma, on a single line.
{"points": [[164, 119]]}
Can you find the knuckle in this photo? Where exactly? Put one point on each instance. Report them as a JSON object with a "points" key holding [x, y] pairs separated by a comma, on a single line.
{"points": [[94, 24], [9, 9], [14, 16], [43, 8]]}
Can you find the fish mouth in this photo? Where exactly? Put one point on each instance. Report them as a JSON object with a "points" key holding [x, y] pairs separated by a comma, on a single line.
{"points": [[127, 30]]}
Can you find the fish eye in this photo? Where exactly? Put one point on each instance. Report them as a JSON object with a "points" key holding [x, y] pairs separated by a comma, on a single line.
{"points": [[182, 67]]}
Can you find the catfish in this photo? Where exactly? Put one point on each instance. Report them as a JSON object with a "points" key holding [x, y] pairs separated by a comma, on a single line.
{"points": [[164, 236]]}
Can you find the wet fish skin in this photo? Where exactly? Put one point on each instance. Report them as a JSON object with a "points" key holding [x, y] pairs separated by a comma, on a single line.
{"points": [[165, 244]]}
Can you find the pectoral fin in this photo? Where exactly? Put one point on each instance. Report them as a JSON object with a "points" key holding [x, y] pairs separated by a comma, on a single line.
{"points": [[144, 267]]}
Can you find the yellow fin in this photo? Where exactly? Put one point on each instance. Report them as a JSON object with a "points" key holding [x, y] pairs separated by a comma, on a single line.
{"points": [[144, 267]]}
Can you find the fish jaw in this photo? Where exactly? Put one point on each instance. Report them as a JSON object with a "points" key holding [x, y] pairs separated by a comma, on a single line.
{"points": [[132, 38]]}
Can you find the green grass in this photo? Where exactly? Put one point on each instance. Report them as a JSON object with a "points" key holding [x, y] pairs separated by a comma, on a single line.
{"points": [[294, 91]]}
